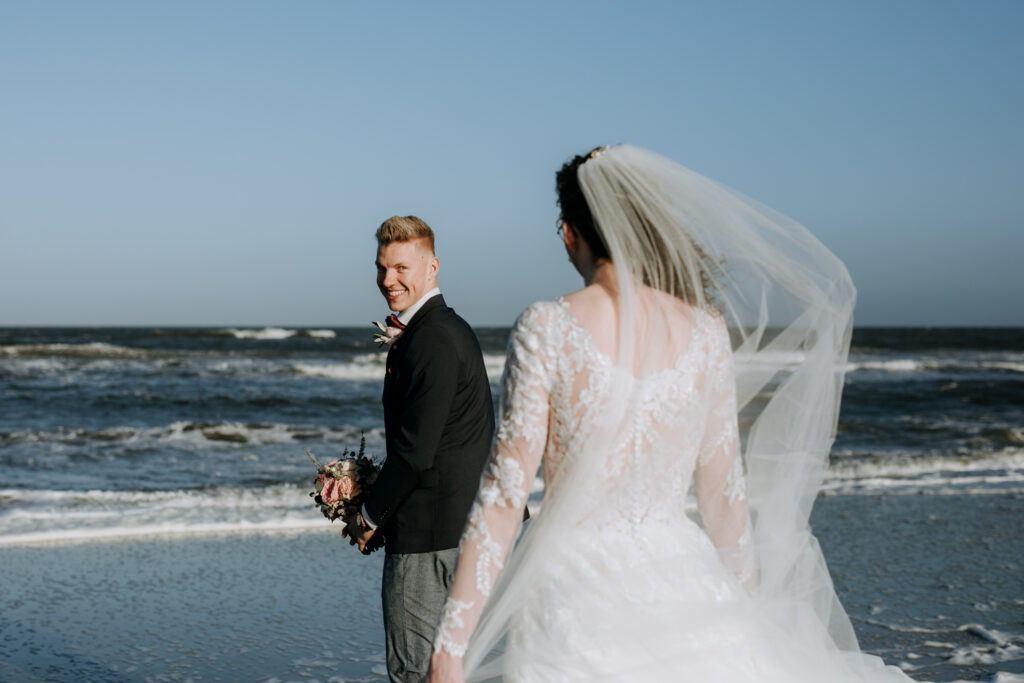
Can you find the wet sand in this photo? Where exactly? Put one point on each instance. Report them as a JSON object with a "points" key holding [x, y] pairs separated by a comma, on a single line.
{"points": [[933, 583]]}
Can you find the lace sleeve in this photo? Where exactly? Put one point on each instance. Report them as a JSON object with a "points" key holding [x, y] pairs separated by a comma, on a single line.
{"points": [[718, 480], [497, 512]]}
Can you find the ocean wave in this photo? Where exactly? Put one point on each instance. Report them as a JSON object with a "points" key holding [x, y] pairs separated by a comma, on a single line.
{"points": [[265, 333], [495, 365], [938, 428], [370, 367], [1014, 435], [972, 644], [64, 516], [25, 367], [979, 473], [89, 350], [30, 517], [319, 334], [997, 647], [898, 365], [66, 536], [995, 365], [365, 368], [276, 496], [199, 434], [50, 516], [897, 368], [915, 465], [968, 363], [275, 333]]}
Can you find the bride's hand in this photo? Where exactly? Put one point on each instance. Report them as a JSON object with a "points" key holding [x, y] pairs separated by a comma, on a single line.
{"points": [[444, 668]]}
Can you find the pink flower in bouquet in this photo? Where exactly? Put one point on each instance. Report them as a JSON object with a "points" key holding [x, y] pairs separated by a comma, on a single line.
{"points": [[329, 493], [348, 488], [337, 489]]}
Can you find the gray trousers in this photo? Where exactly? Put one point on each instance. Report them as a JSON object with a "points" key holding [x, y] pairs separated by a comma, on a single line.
{"points": [[413, 591]]}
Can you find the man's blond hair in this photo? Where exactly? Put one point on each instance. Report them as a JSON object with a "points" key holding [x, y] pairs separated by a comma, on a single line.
{"points": [[404, 229]]}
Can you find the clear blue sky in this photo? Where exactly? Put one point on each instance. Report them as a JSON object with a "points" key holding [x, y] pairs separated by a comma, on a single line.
{"points": [[226, 163]]}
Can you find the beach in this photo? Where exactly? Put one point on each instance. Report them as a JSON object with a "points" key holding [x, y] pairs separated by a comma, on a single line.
{"points": [[933, 584], [237, 607]]}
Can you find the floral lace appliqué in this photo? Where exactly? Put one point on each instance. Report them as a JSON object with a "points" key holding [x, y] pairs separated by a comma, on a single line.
{"points": [[504, 483], [451, 619], [488, 561], [735, 488]]}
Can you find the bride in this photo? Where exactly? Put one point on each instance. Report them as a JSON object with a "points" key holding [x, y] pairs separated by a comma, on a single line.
{"points": [[705, 354]]}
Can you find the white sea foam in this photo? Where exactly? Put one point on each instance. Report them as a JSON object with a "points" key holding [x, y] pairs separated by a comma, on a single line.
{"points": [[370, 367], [967, 362], [1010, 460], [231, 366], [897, 365], [365, 368], [90, 350], [201, 436], [54, 517], [1005, 677], [905, 629], [979, 474], [32, 366], [277, 333], [161, 529], [271, 496], [495, 364], [1012, 367], [998, 647], [265, 333]]}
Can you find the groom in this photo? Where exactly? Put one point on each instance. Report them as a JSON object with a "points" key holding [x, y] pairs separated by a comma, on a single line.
{"points": [[438, 421]]}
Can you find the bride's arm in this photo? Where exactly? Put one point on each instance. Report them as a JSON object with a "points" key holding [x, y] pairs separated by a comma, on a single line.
{"points": [[497, 512], [718, 479]]}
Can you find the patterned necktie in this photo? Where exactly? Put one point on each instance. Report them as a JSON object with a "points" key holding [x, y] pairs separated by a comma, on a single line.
{"points": [[393, 321]]}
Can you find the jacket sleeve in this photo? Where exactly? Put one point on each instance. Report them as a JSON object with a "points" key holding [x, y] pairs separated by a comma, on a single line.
{"points": [[432, 368]]}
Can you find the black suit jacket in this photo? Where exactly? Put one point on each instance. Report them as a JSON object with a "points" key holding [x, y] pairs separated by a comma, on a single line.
{"points": [[439, 424]]}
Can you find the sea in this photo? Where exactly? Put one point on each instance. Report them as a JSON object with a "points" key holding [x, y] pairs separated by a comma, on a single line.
{"points": [[138, 433]]}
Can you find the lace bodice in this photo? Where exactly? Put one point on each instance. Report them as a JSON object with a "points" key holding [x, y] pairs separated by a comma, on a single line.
{"points": [[679, 428]]}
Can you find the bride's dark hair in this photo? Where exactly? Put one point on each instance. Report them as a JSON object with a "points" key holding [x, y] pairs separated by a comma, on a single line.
{"points": [[573, 205]]}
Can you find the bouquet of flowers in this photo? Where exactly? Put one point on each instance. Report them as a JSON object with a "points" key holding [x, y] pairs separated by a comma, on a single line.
{"points": [[341, 485]]}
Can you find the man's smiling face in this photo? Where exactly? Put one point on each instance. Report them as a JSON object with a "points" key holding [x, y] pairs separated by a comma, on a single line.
{"points": [[405, 272]]}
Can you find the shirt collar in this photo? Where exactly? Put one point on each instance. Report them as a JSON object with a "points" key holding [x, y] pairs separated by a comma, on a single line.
{"points": [[405, 316]]}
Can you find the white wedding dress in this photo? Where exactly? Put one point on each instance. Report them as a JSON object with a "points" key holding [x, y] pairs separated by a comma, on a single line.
{"points": [[630, 406], [635, 589]]}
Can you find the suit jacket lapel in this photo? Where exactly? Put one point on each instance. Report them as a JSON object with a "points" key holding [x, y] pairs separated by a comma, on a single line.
{"points": [[394, 356]]}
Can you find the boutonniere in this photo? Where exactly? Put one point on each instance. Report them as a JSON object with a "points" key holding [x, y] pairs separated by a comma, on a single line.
{"points": [[388, 335]]}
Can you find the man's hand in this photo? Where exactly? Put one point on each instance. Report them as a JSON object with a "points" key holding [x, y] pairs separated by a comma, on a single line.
{"points": [[357, 531]]}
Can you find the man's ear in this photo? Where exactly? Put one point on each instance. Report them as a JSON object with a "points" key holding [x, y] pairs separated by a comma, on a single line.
{"points": [[433, 267]]}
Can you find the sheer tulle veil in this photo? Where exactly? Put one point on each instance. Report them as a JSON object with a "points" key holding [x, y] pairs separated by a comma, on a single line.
{"points": [[674, 235]]}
